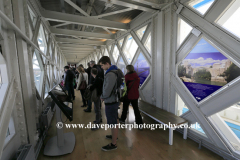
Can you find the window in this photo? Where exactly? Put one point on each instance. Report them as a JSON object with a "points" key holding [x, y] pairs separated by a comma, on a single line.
{"points": [[56, 55], [10, 132], [181, 106], [38, 72], [230, 20], [120, 42], [106, 53], [183, 31], [46, 88], [32, 16], [142, 68], [228, 122], [201, 5], [3, 79], [205, 70], [130, 48], [121, 65], [110, 47], [197, 127], [41, 40], [48, 72], [148, 43], [141, 32], [115, 53]]}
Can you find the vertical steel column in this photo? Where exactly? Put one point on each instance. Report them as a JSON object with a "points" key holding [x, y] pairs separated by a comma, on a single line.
{"points": [[28, 90]]}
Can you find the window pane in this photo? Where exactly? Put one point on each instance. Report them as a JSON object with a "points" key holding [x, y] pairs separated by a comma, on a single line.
{"points": [[8, 133], [142, 68], [121, 65], [106, 53], [141, 32], [37, 73], [197, 127], [201, 5], [46, 89], [109, 48], [184, 30], [231, 19], [115, 53], [130, 48], [148, 43], [121, 42], [41, 40], [182, 108], [0, 79]]}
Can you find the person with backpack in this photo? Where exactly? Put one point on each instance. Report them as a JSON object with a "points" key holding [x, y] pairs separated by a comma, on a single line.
{"points": [[132, 82], [92, 64], [112, 82], [96, 88], [68, 82], [82, 78]]}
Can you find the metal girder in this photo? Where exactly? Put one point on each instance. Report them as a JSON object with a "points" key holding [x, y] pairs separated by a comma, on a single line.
{"points": [[80, 33], [75, 46], [76, 7], [62, 24], [89, 9], [155, 4], [76, 49], [77, 53], [75, 19], [112, 13], [130, 5], [79, 41]]}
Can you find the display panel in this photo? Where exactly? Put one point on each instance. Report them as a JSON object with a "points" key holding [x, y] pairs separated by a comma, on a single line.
{"points": [[205, 70], [142, 68]]}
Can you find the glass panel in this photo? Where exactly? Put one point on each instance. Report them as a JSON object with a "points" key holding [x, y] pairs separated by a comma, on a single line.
{"points": [[56, 55], [50, 51], [201, 5], [32, 16], [228, 122], [130, 48], [197, 127], [1, 82], [231, 19], [183, 32], [148, 43], [121, 65], [41, 40], [46, 89], [120, 42], [141, 32], [205, 70], [142, 68], [115, 53], [106, 53], [48, 72], [37, 71], [109, 48], [182, 108], [8, 133]]}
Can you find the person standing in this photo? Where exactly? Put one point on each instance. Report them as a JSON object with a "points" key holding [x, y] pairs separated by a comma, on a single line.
{"points": [[97, 84], [82, 76], [132, 82], [68, 82], [110, 99], [89, 102]]}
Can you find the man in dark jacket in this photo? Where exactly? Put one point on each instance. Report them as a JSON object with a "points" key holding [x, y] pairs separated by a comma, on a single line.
{"points": [[97, 84], [91, 81], [68, 82]]}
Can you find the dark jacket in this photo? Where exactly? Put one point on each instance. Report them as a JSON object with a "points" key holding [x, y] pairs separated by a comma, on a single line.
{"points": [[89, 74], [100, 73], [97, 83], [69, 77], [133, 93]]}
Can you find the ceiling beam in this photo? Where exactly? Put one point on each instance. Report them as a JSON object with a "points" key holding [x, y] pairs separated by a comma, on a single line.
{"points": [[89, 9], [80, 33], [76, 7], [112, 13], [69, 49], [76, 46], [62, 24], [130, 5], [75, 19], [79, 41]]}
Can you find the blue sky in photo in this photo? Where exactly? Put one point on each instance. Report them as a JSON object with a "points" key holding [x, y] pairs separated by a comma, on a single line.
{"points": [[204, 2], [203, 47]]}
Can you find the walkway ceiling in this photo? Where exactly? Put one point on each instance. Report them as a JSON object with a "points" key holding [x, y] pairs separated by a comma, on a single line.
{"points": [[81, 25]]}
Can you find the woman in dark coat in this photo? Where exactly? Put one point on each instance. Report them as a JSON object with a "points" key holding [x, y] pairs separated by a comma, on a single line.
{"points": [[132, 82]]}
